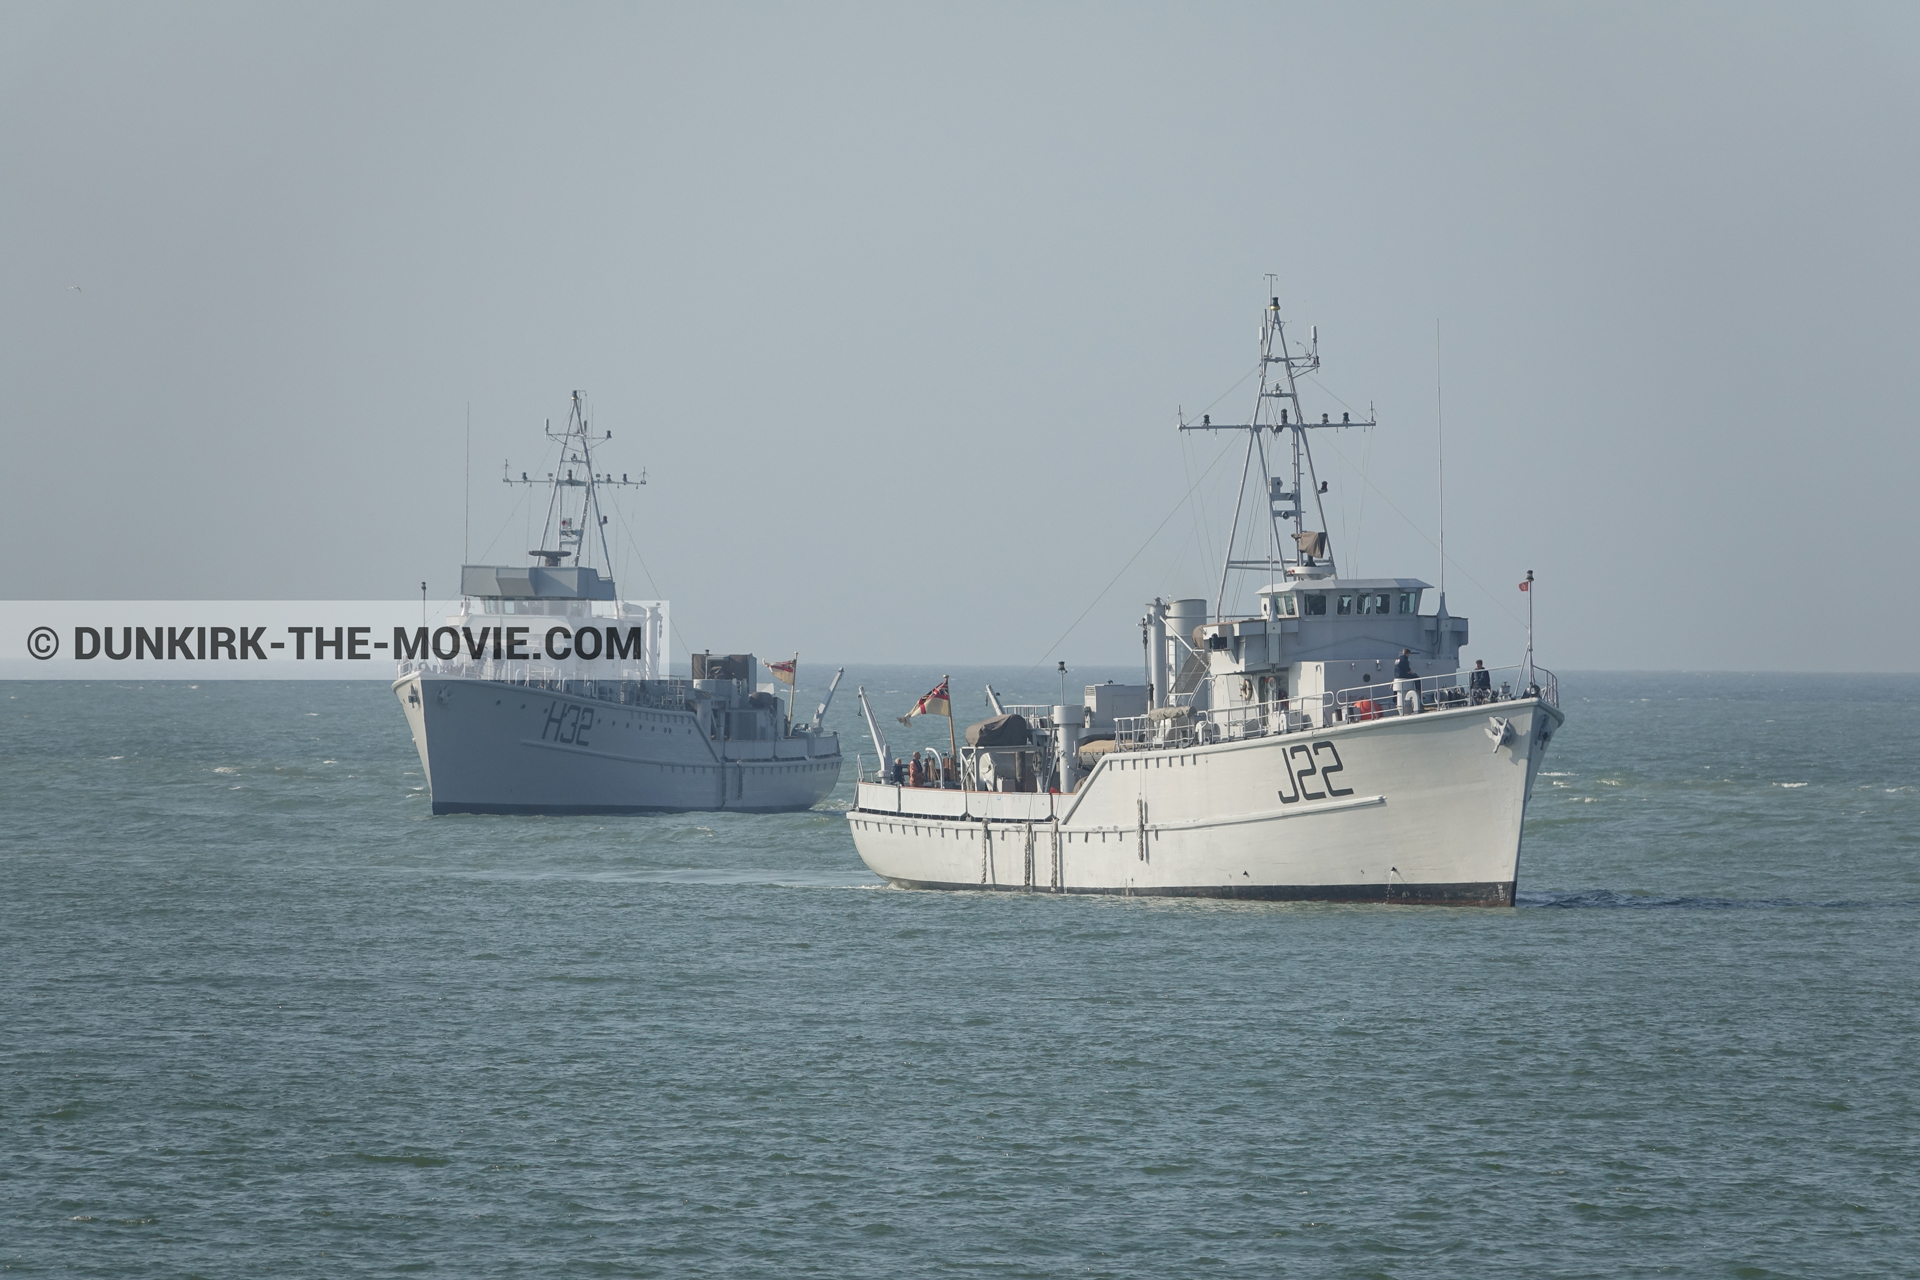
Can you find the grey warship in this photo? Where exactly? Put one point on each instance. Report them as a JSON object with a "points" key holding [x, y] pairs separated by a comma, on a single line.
{"points": [[547, 693]]}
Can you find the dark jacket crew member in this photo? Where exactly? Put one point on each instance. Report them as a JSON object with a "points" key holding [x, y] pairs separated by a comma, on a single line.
{"points": [[1403, 665], [1480, 681]]}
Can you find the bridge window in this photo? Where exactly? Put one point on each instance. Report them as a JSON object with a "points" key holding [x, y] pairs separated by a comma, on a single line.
{"points": [[1344, 605], [1316, 605], [1283, 606], [1409, 602], [1376, 602]]}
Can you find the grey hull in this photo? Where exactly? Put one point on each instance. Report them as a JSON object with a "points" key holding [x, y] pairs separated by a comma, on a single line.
{"points": [[441, 810], [493, 747]]}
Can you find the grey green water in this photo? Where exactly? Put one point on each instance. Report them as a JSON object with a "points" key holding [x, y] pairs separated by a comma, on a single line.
{"points": [[261, 1014]]}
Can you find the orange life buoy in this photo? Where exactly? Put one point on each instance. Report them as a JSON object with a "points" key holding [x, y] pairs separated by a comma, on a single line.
{"points": [[1366, 710]]}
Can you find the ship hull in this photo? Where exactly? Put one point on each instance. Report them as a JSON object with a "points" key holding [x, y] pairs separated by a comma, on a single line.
{"points": [[1416, 809], [499, 748]]}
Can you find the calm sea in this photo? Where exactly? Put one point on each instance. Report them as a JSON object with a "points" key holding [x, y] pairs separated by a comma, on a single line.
{"points": [[261, 1014]]}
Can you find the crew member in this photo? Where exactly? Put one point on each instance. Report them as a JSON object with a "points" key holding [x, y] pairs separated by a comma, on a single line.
{"points": [[1405, 685]]}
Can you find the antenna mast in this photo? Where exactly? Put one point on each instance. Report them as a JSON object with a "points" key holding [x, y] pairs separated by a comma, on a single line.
{"points": [[1527, 587], [1277, 411], [1440, 460], [576, 442]]}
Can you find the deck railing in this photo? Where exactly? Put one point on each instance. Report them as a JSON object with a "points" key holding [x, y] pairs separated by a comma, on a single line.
{"points": [[659, 695], [1177, 727]]}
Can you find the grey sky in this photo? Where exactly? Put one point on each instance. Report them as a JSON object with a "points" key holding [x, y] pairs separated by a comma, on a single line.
{"points": [[896, 306]]}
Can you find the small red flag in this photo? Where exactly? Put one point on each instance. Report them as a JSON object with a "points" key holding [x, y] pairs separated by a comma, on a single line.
{"points": [[1523, 586]]}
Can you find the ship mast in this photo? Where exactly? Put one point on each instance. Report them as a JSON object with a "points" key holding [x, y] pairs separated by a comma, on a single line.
{"points": [[1277, 413], [570, 533]]}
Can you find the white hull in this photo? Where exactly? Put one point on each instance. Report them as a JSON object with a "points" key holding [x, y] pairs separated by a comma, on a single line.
{"points": [[493, 747], [1420, 808]]}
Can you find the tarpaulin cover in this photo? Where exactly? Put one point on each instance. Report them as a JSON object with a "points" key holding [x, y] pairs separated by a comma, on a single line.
{"points": [[1001, 731], [723, 666], [1091, 753]]}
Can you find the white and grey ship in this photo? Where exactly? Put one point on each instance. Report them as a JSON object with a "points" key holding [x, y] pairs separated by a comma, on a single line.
{"points": [[1271, 755], [547, 693]]}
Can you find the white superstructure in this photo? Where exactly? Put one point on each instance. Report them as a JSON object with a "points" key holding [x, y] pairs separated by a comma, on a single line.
{"points": [[547, 693], [1295, 752]]}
